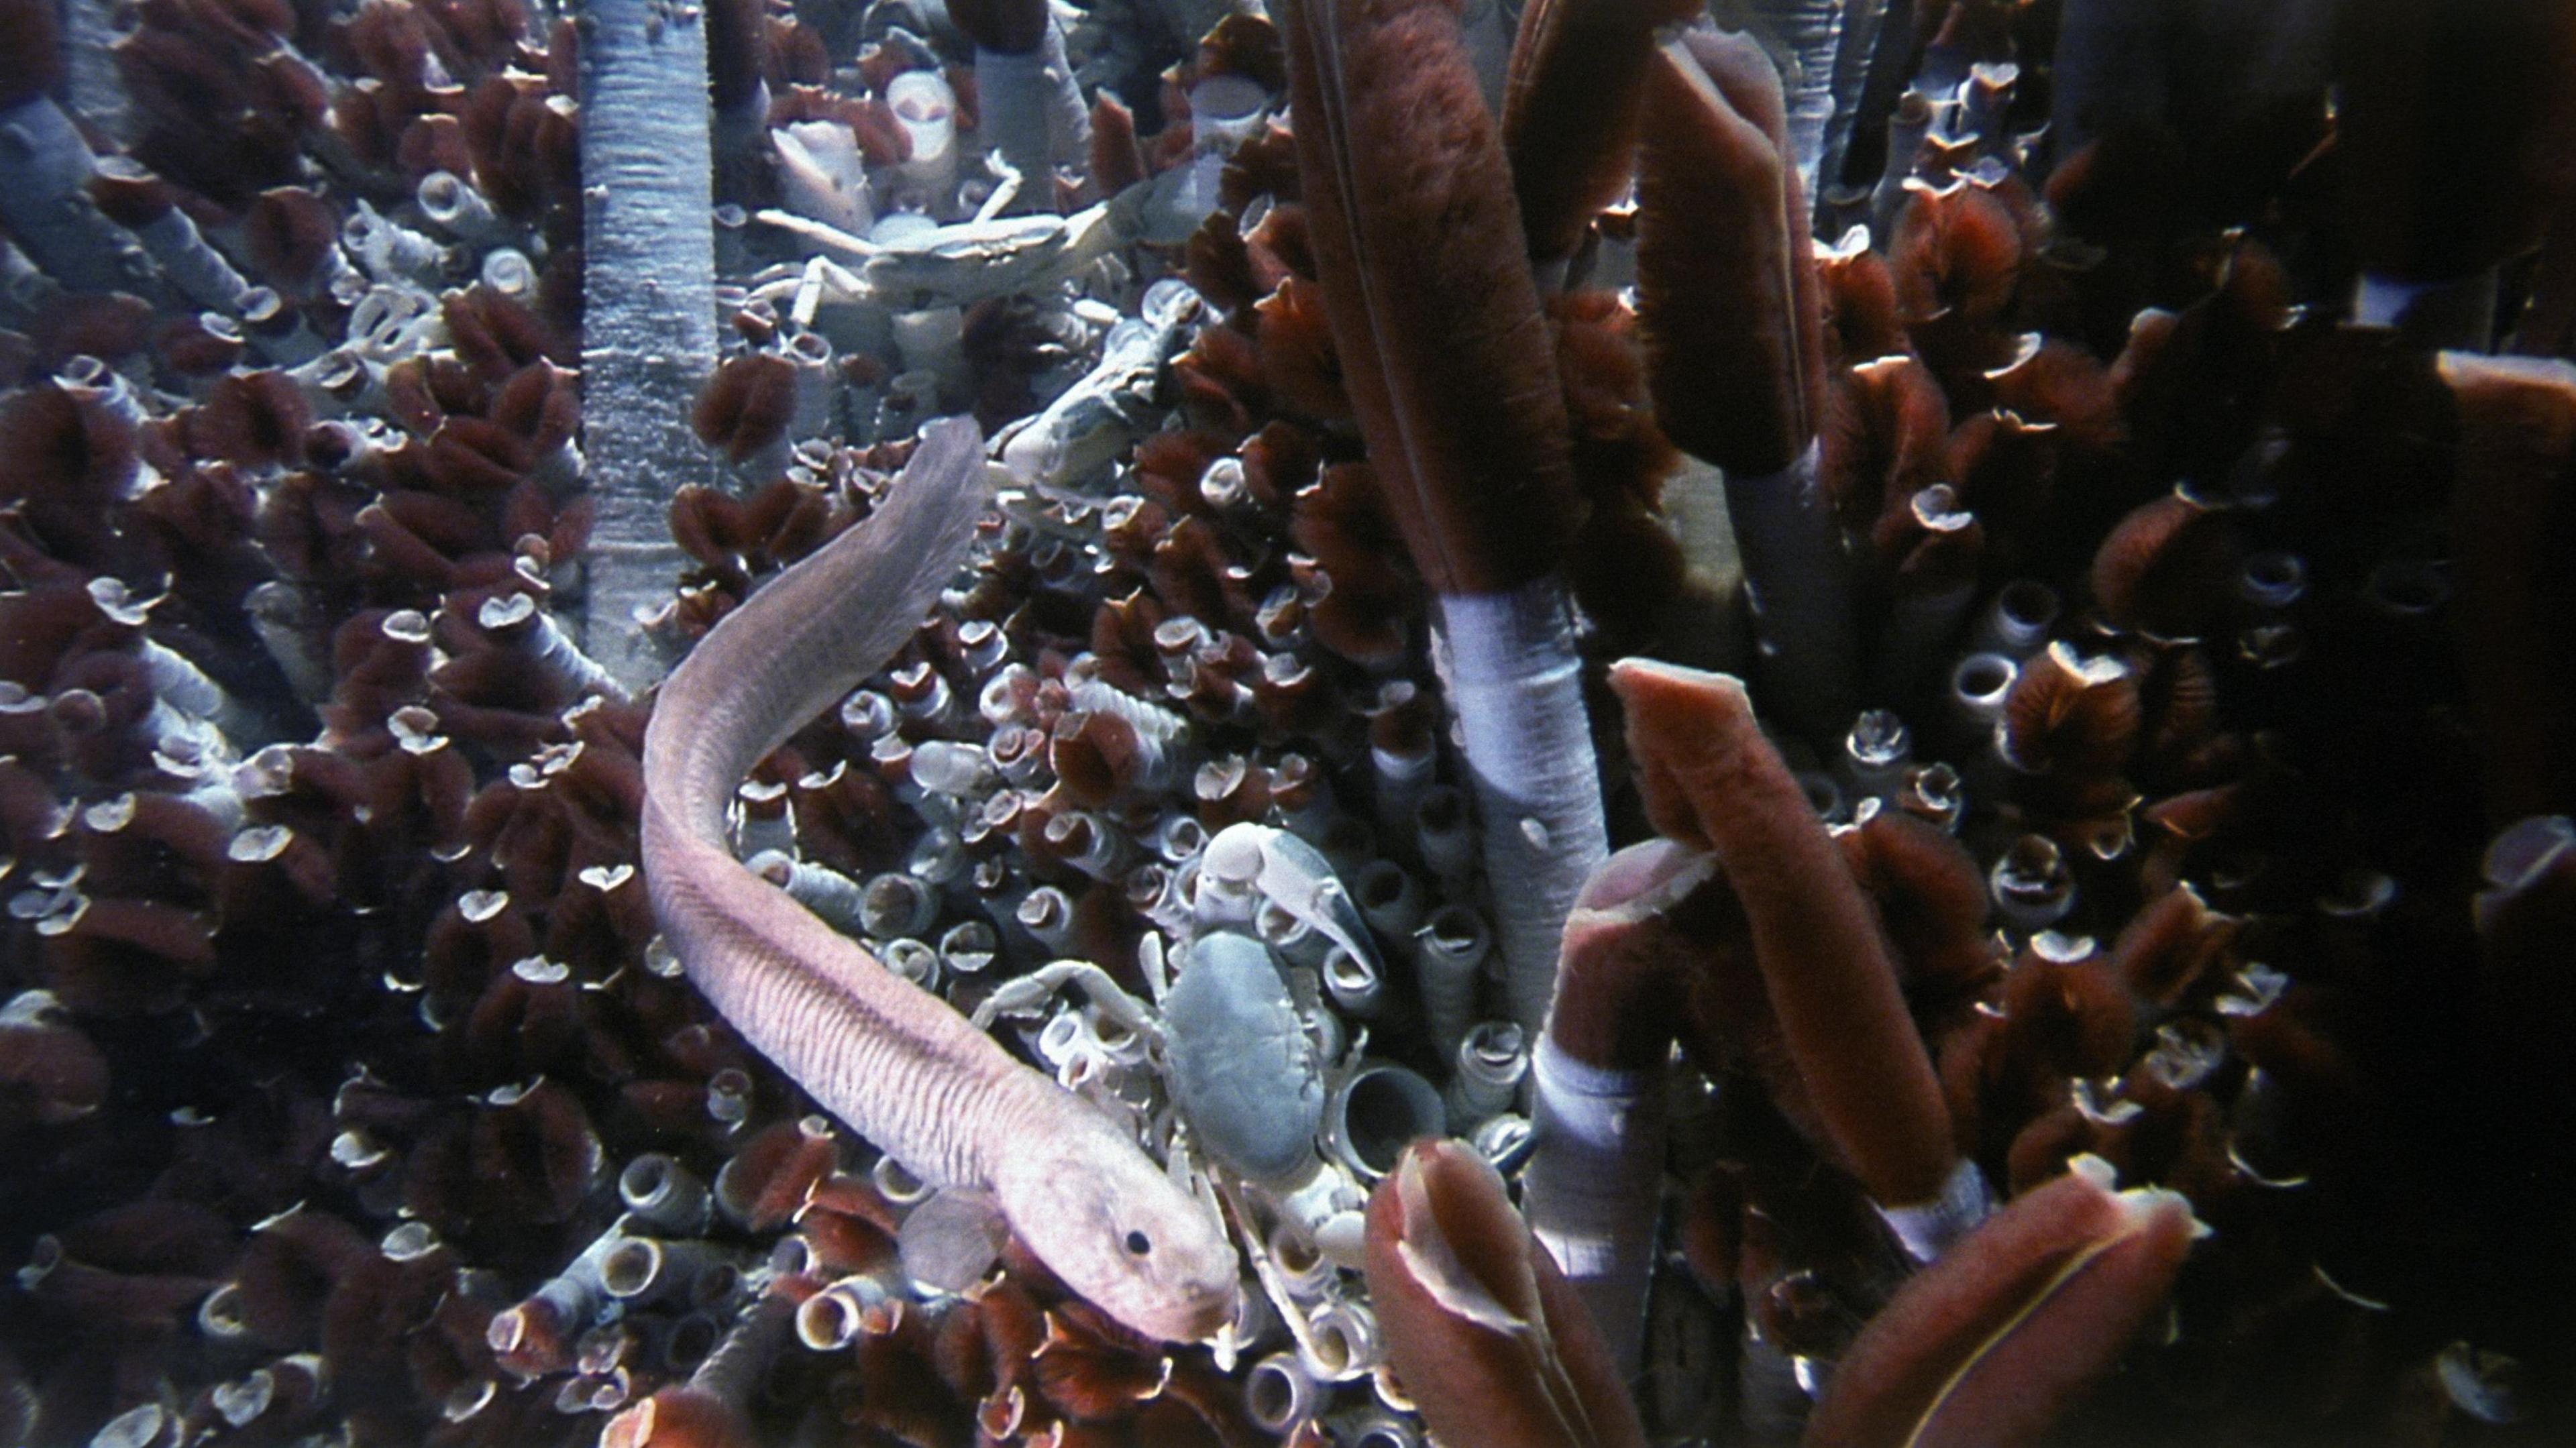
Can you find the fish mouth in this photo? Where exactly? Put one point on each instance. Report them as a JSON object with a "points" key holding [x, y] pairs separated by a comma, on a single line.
{"points": [[1199, 1314]]}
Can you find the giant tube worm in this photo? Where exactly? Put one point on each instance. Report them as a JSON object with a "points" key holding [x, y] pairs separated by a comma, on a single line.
{"points": [[649, 313], [2516, 477], [1711, 779], [1486, 1337], [1570, 114], [1595, 1179], [1728, 297], [1449, 366], [1992, 1344]]}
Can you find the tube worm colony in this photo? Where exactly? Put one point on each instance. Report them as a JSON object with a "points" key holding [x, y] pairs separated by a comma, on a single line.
{"points": [[2086, 960]]}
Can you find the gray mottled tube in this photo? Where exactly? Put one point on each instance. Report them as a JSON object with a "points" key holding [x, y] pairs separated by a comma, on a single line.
{"points": [[1594, 1187], [1515, 687], [1800, 578], [44, 179]]}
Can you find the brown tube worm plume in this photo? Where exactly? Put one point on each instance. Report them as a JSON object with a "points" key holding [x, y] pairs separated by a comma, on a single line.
{"points": [[2510, 504], [1711, 779], [1991, 1345], [1442, 343], [1570, 103], [1488, 1340], [1726, 272]]}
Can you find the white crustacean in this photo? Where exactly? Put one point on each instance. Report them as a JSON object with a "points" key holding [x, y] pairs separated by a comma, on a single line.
{"points": [[1296, 877], [1095, 420], [969, 261]]}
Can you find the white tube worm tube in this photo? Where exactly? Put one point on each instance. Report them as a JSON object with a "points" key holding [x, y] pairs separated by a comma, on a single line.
{"points": [[1812, 31], [1594, 1187], [90, 79], [1514, 681], [926, 108], [1449, 950], [1862, 21], [649, 328], [1030, 113]]}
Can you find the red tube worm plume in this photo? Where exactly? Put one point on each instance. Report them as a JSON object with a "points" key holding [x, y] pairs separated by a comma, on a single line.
{"points": [[527, 148], [1933, 903], [285, 1274], [1443, 348], [2163, 570], [120, 957], [2065, 1016], [747, 404], [764, 1183], [2175, 948], [2513, 513], [1340, 520], [681, 1417], [252, 420], [1726, 278], [2071, 717], [1117, 161], [1859, 295], [1092, 1370], [1244, 44], [1488, 1340], [49, 1072], [1712, 781], [1886, 438], [128, 193], [496, 336], [1570, 104], [2054, 381], [434, 143], [66, 461], [1297, 358], [1990, 1346], [206, 345], [1096, 756], [291, 234], [1956, 259], [533, 1153], [103, 1300]]}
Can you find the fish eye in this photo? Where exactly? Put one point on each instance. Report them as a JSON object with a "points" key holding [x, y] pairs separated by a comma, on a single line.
{"points": [[1138, 1244]]}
